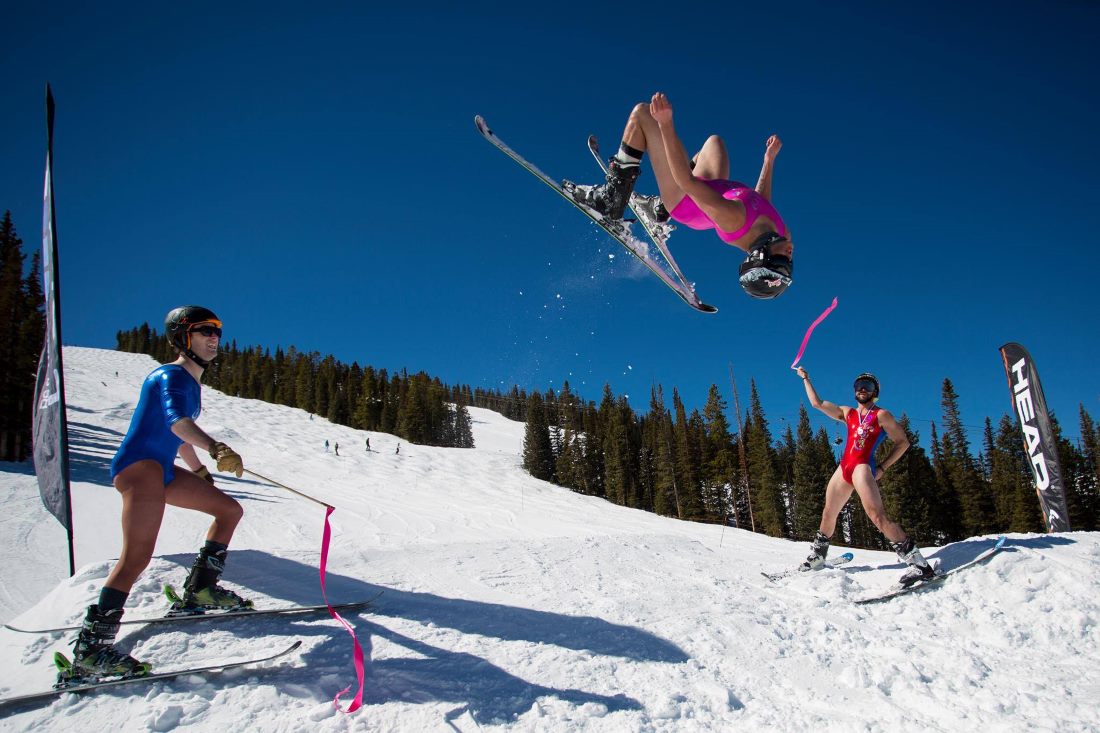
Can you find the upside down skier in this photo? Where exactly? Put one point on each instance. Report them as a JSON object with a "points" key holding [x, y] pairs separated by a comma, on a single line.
{"points": [[698, 194], [145, 475], [868, 425]]}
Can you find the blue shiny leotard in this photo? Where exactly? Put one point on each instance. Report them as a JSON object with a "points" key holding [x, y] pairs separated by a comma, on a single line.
{"points": [[168, 395]]}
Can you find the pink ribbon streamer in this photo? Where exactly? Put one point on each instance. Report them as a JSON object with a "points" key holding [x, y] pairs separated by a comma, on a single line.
{"points": [[358, 655], [806, 338]]}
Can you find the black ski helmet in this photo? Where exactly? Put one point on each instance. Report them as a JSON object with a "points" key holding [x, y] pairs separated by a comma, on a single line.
{"points": [[766, 275], [178, 324], [872, 378]]}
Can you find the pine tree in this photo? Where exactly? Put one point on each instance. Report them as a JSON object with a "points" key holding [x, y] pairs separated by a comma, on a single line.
{"points": [[811, 470], [464, 431], [767, 503], [974, 497], [538, 456], [685, 460], [16, 348], [659, 445], [719, 461], [568, 464], [1011, 482], [945, 511], [1090, 460]]}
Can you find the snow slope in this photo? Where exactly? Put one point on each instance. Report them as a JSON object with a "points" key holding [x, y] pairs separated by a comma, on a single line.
{"points": [[512, 603]]}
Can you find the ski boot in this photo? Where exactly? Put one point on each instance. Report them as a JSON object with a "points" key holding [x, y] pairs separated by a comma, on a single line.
{"points": [[94, 654], [655, 217], [609, 198], [202, 592], [919, 568], [650, 208], [818, 551]]}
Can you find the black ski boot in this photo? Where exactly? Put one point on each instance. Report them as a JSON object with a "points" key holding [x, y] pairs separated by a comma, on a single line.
{"points": [[919, 568], [95, 655], [818, 551], [609, 198], [202, 590]]}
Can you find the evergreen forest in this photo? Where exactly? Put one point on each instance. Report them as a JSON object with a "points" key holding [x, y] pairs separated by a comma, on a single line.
{"points": [[689, 465]]}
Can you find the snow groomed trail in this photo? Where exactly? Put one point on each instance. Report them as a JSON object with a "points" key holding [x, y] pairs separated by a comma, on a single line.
{"points": [[513, 604]]}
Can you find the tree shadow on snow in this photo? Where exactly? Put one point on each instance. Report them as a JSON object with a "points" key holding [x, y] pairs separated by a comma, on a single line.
{"points": [[432, 673]]}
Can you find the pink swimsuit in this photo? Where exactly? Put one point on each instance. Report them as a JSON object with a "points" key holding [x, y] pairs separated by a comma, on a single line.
{"points": [[688, 213]]}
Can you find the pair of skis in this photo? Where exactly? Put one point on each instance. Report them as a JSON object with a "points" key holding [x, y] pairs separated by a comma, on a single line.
{"points": [[64, 665], [897, 589], [618, 229]]}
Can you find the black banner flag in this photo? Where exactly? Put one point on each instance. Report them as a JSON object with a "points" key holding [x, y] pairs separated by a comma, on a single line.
{"points": [[51, 445], [1030, 407]]}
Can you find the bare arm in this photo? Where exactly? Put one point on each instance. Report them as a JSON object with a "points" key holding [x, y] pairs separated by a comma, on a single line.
{"points": [[187, 453], [764, 185], [834, 411], [896, 435], [192, 435]]}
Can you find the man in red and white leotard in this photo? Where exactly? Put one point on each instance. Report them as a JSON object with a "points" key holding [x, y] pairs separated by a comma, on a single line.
{"points": [[868, 425], [698, 194]]}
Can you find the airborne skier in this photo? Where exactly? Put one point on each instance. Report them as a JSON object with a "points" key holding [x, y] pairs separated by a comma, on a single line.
{"points": [[145, 474], [868, 425], [698, 194]]}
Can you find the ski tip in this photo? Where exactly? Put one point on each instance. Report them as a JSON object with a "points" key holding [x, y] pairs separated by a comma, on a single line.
{"points": [[481, 125], [706, 308]]}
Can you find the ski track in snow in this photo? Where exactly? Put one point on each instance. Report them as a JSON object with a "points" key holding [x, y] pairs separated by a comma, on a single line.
{"points": [[513, 604]]}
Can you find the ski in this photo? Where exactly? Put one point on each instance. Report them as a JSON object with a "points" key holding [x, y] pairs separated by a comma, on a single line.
{"points": [[897, 590], [62, 661], [214, 615], [658, 232], [617, 229], [832, 562]]}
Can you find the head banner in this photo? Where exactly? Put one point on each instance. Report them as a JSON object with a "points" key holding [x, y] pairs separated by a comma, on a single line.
{"points": [[1030, 407]]}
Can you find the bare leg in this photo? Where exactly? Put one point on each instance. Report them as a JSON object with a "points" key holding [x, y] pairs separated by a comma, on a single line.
{"points": [[188, 491], [643, 133], [868, 491], [836, 496], [142, 488], [712, 162]]}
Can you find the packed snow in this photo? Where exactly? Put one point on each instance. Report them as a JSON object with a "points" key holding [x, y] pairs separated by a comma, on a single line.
{"points": [[510, 603]]}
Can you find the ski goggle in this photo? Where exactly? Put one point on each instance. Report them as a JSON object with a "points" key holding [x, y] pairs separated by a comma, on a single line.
{"points": [[865, 385], [207, 329]]}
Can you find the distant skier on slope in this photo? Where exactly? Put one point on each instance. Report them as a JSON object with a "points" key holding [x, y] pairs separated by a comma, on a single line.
{"points": [[868, 425], [698, 194], [144, 473]]}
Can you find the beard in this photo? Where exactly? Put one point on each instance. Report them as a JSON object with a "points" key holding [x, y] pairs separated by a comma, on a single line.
{"points": [[865, 401]]}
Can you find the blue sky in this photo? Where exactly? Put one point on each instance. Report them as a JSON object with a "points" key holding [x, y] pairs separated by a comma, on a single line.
{"points": [[312, 173]]}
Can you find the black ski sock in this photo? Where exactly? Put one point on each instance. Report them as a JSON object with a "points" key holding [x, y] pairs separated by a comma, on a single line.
{"points": [[111, 598], [212, 548], [628, 156]]}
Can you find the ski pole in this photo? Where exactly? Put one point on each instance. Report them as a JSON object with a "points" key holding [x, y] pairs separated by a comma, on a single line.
{"points": [[283, 486]]}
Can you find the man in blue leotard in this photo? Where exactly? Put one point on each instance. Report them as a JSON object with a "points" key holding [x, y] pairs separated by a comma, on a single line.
{"points": [[145, 474]]}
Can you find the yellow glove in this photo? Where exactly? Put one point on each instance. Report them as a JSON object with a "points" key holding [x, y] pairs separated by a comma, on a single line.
{"points": [[227, 459], [204, 473]]}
